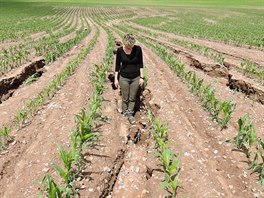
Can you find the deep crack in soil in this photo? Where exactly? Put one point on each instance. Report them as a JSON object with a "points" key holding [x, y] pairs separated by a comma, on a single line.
{"points": [[110, 180], [35, 150], [9, 85]]}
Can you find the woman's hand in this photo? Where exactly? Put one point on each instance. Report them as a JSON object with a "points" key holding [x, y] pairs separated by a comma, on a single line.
{"points": [[116, 83], [141, 82]]}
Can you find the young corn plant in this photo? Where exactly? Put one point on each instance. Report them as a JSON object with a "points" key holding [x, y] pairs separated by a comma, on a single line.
{"points": [[4, 136], [246, 134], [226, 109], [52, 189], [66, 173], [171, 168], [257, 165], [21, 118], [161, 130], [84, 130], [170, 161], [31, 79]]}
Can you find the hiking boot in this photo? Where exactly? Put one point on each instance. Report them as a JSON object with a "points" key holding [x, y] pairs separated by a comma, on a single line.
{"points": [[131, 119]]}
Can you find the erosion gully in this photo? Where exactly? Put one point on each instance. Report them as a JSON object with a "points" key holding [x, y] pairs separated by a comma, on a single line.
{"points": [[122, 162], [235, 81]]}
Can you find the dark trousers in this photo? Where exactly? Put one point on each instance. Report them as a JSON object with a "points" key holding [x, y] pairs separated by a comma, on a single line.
{"points": [[129, 88]]}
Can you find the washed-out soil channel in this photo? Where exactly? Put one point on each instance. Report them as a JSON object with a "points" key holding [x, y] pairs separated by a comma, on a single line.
{"points": [[9, 85], [234, 80], [122, 162]]}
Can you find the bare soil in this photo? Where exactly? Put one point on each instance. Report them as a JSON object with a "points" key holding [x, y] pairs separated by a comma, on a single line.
{"points": [[122, 162], [35, 148]]}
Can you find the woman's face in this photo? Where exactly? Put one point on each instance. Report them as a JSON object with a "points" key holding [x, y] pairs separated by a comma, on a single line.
{"points": [[129, 46], [129, 41]]}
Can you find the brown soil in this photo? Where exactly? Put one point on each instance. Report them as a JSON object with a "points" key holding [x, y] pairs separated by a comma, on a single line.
{"points": [[235, 81], [35, 148], [116, 165], [238, 52], [9, 85], [25, 93], [72, 34], [209, 165]]}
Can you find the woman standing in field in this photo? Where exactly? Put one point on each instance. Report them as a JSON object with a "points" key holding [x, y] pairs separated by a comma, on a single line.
{"points": [[129, 69]]}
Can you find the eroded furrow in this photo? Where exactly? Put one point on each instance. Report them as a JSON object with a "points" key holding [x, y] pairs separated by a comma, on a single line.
{"points": [[36, 147], [21, 96], [207, 163], [9, 85]]}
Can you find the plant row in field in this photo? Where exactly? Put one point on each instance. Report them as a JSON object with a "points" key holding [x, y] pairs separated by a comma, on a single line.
{"points": [[250, 69], [246, 133], [15, 55], [195, 24], [169, 159], [171, 163], [18, 25], [57, 49], [84, 132], [47, 92], [221, 111], [109, 14], [247, 67], [246, 139], [11, 24]]}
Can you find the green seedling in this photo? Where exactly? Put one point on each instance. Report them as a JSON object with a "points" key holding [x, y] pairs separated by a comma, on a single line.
{"points": [[21, 118], [161, 129], [226, 108], [257, 165], [246, 133], [53, 189], [66, 172], [4, 136], [31, 79], [171, 168]]}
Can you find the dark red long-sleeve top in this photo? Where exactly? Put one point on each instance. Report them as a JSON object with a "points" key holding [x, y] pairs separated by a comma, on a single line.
{"points": [[129, 65]]}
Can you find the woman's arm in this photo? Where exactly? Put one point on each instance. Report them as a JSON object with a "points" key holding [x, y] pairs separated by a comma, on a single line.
{"points": [[117, 67], [141, 80], [142, 73], [116, 80]]}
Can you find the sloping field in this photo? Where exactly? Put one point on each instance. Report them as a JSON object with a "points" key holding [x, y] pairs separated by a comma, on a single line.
{"points": [[199, 128]]}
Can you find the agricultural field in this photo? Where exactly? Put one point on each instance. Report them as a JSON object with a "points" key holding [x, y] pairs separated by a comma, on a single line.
{"points": [[199, 128]]}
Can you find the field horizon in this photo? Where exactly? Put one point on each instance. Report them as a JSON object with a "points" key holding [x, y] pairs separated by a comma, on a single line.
{"points": [[207, 3]]}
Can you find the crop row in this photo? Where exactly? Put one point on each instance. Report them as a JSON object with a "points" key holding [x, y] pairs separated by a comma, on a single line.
{"points": [[171, 163], [47, 92], [19, 23], [84, 132], [246, 67], [252, 145], [197, 24], [109, 14], [15, 55], [220, 111]]}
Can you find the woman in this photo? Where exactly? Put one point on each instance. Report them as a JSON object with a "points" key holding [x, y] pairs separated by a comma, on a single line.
{"points": [[129, 66]]}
